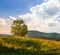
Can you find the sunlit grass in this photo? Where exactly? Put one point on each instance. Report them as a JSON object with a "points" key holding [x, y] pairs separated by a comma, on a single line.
{"points": [[28, 46]]}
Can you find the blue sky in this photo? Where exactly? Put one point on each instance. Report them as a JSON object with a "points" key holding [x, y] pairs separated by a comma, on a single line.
{"points": [[40, 15], [16, 7]]}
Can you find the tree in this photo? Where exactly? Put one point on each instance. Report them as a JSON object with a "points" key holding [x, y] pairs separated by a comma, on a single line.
{"points": [[19, 28]]}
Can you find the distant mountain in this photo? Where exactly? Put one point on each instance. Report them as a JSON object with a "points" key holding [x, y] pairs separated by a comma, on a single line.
{"points": [[5, 35], [37, 34]]}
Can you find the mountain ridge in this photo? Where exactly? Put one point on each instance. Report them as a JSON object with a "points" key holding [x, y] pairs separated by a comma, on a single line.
{"points": [[37, 34], [5, 34]]}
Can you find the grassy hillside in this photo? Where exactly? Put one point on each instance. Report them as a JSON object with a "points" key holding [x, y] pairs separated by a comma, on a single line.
{"points": [[28, 46]]}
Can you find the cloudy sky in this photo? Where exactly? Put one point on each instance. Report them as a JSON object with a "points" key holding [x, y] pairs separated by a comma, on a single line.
{"points": [[40, 15]]}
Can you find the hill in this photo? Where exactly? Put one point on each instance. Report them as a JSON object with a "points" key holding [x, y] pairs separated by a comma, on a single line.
{"points": [[5, 35], [28, 46], [37, 34]]}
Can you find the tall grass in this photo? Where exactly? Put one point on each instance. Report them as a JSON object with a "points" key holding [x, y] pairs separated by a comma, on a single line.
{"points": [[28, 46]]}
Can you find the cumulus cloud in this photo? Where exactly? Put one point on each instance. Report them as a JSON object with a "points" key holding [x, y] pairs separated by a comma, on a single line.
{"points": [[44, 17], [2, 22]]}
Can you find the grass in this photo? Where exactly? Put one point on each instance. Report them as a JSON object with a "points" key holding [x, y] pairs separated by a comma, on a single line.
{"points": [[28, 46]]}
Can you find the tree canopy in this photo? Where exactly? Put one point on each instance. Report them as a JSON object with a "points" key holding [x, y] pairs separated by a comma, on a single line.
{"points": [[19, 28]]}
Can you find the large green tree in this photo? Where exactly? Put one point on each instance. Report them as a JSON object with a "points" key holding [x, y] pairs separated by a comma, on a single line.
{"points": [[19, 28]]}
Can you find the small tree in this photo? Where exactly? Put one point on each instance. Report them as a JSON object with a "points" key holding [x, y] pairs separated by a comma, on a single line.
{"points": [[19, 28]]}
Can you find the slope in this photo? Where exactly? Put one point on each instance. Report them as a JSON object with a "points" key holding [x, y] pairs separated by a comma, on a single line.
{"points": [[28, 46]]}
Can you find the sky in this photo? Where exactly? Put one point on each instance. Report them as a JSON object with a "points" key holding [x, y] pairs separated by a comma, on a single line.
{"points": [[40, 15]]}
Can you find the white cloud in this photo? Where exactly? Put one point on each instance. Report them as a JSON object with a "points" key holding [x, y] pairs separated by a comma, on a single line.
{"points": [[2, 22], [12, 18], [43, 17]]}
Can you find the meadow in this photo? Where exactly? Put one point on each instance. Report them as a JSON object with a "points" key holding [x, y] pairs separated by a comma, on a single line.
{"points": [[28, 46]]}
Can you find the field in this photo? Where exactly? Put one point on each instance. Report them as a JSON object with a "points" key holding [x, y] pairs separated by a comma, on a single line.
{"points": [[28, 46]]}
